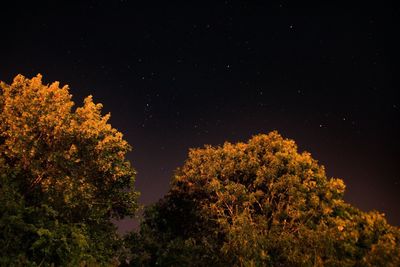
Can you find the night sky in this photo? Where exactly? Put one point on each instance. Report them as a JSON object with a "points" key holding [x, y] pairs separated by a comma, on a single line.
{"points": [[182, 75]]}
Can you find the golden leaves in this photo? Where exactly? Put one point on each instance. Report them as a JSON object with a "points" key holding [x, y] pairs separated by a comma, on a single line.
{"points": [[337, 186], [53, 143]]}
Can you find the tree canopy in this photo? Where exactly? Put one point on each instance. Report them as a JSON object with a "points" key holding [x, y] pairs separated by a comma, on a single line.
{"points": [[64, 176], [260, 203]]}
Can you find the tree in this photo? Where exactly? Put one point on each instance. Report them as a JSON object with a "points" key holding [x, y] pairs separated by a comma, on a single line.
{"points": [[64, 176], [260, 203]]}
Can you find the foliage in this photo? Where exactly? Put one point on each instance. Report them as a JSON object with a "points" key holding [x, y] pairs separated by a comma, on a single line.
{"points": [[63, 177], [260, 203]]}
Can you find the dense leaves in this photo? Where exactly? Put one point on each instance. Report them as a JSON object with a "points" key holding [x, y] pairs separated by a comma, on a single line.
{"points": [[260, 203], [63, 177]]}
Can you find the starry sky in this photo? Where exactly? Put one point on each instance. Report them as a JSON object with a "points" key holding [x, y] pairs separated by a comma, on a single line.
{"points": [[181, 75]]}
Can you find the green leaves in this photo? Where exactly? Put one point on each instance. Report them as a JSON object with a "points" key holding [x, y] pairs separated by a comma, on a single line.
{"points": [[65, 174], [261, 203]]}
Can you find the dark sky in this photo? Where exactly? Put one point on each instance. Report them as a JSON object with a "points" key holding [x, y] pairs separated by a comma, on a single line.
{"points": [[176, 76]]}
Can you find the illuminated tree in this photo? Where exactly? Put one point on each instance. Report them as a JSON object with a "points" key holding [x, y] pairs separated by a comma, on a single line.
{"points": [[64, 176], [260, 203]]}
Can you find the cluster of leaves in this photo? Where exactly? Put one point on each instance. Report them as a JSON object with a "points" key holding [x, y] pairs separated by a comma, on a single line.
{"points": [[260, 203], [64, 176]]}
